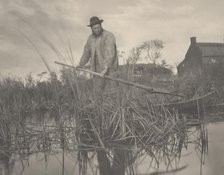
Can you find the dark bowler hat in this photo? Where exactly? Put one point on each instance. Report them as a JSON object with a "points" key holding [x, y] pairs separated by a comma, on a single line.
{"points": [[95, 20]]}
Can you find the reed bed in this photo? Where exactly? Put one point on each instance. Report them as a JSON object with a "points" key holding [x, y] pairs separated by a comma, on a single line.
{"points": [[63, 114]]}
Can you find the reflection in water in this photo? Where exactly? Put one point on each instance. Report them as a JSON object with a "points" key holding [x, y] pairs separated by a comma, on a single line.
{"points": [[6, 165], [213, 161], [56, 140], [6, 160]]}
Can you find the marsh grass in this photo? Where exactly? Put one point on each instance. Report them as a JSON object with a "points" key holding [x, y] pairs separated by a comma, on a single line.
{"points": [[63, 115]]}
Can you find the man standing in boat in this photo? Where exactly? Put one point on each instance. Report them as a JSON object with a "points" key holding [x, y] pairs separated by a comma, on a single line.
{"points": [[101, 51]]}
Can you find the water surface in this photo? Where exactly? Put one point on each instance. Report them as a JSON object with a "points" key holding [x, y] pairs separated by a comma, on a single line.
{"points": [[39, 163]]}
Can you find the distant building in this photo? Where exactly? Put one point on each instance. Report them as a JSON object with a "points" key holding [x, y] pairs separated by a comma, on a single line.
{"points": [[202, 58], [150, 74], [149, 69]]}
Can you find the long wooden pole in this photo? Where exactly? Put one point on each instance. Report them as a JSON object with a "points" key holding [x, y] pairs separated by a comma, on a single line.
{"points": [[148, 89]]}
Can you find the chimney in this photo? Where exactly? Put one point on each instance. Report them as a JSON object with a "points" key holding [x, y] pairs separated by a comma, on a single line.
{"points": [[193, 40]]}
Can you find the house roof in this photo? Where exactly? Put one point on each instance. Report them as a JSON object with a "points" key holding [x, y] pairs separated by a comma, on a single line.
{"points": [[211, 49], [207, 49]]}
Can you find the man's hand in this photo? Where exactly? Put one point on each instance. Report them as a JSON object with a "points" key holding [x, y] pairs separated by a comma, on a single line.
{"points": [[104, 72]]}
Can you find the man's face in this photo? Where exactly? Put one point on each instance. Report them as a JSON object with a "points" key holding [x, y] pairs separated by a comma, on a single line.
{"points": [[97, 29]]}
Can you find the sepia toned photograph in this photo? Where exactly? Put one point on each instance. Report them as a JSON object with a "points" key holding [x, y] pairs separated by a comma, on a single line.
{"points": [[122, 87]]}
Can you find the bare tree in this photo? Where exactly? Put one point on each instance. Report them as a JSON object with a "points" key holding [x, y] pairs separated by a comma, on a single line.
{"points": [[153, 50], [135, 55]]}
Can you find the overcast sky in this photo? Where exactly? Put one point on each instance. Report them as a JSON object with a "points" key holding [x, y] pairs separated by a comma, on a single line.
{"points": [[31, 29]]}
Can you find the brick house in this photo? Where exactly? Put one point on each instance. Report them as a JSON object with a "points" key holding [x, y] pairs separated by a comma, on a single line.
{"points": [[202, 69], [202, 58]]}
